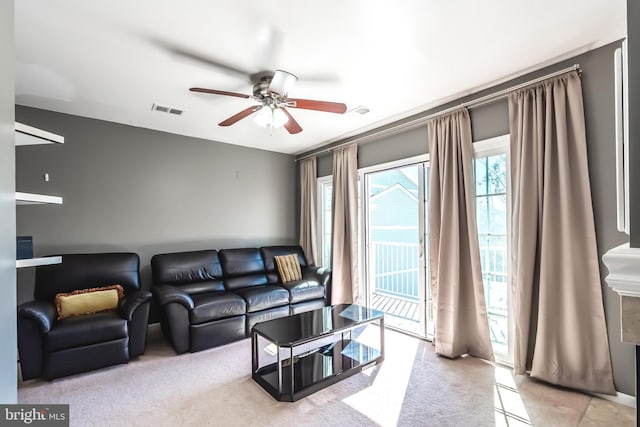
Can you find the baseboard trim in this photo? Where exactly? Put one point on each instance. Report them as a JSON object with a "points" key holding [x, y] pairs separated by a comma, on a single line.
{"points": [[622, 398]]}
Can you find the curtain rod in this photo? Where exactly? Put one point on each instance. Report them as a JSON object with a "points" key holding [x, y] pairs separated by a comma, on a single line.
{"points": [[492, 97]]}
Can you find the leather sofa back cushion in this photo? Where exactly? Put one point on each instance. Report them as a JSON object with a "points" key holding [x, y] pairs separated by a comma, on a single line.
{"points": [[288, 267], [270, 252], [205, 287], [247, 281], [81, 271], [88, 301], [187, 268]]}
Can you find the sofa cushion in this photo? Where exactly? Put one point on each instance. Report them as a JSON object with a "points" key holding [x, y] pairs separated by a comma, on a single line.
{"points": [[242, 268], [304, 290], [289, 268], [203, 287], [86, 330], [182, 268], [264, 297], [247, 281], [214, 306]]}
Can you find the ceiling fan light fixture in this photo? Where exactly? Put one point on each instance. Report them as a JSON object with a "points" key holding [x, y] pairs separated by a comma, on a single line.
{"points": [[279, 118], [263, 117], [270, 117], [282, 82]]}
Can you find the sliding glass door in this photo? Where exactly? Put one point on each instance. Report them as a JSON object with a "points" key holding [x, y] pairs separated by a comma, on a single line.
{"points": [[394, 247]]}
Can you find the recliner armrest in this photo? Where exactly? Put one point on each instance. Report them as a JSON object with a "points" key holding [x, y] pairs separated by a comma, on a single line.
{"points": [[167, 294], [322, 274], [131, 302], [325, 274], [43, 313]]}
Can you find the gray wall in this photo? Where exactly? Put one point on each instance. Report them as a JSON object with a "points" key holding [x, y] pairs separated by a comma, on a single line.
{"points": [[134, 189], [493, 119], [633, 40], [8, 367]]}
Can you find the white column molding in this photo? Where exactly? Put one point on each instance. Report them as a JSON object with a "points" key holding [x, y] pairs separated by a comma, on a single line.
{"points": [[623, 263]]}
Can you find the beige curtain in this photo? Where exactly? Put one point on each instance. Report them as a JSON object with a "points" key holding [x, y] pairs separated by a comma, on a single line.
{"points": [[308, 208], [461, 324], [560, 331], [344, 248]]}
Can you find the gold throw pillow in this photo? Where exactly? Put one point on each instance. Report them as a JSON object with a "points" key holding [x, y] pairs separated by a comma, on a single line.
{"points": [[289, 267], [88, 301]]}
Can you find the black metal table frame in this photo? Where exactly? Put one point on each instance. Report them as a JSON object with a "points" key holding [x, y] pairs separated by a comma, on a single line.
{"points": [[291, 346]]}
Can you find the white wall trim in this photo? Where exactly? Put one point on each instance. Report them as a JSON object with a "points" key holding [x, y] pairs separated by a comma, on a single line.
{"points": [[621, 398]]}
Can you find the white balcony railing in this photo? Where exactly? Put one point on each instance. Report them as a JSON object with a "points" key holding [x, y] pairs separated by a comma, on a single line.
{"points": [[394, 268]]}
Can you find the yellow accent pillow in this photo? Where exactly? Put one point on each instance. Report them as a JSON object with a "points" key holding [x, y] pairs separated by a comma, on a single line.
{"points": [[289, 267], [88, 301]]}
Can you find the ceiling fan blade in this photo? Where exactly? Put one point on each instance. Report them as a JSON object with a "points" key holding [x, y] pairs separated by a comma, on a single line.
{"points": [[291, 126], [309, 104], [218, 92], [239, 116], [268, 47], [196, 56]]}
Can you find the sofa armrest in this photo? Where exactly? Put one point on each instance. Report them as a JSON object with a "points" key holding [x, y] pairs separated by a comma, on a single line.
{"points": [[327, 281], [131, 302], [134, 307], [166, 294], [175, 305], [35, 321], [323, 276], [42, 313]]}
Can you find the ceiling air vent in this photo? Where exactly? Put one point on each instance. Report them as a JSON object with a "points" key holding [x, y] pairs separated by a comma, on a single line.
{"points": [[165, 109], [361, 110]]}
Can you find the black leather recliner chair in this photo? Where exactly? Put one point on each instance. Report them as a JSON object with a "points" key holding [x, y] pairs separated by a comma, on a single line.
{"points": [[51, 348], [209, 298]]}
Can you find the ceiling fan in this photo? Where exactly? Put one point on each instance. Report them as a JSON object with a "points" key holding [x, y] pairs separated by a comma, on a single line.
{"points": [[270, 91]]}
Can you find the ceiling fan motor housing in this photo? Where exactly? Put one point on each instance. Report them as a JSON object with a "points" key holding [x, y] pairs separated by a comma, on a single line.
{"points": [[261, 89]]}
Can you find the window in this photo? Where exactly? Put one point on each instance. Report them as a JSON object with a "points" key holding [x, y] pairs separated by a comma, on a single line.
{"points": [[325, 191], [490, 167]]}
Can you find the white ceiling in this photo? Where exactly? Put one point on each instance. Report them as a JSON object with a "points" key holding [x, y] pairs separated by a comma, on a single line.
{"points": [[111, 60]]}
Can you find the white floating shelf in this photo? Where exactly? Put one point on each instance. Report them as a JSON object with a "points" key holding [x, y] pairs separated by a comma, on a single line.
{"points": [[34, 262], [28, 135], [36, 199], [623, 263]]}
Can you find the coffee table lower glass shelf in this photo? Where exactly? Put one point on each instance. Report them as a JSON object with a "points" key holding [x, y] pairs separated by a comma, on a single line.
{"points": [[312, 350]]}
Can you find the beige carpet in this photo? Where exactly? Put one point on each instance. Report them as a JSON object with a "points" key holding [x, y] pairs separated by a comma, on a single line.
{"points": [[413, 387]]}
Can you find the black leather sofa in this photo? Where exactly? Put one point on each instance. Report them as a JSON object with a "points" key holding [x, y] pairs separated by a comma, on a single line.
{"points": [[51, 348], [209, 298]]}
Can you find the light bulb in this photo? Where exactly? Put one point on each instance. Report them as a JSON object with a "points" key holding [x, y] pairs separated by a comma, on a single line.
{"points": [[264, 117], [279, 118]]}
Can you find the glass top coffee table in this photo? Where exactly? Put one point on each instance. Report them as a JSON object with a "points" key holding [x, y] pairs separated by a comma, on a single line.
{"points": [[309, 351]]}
